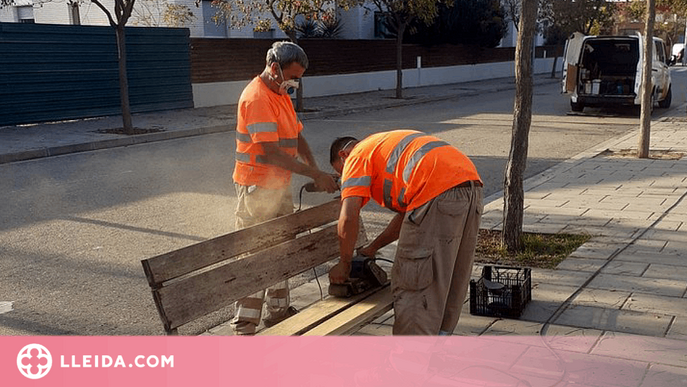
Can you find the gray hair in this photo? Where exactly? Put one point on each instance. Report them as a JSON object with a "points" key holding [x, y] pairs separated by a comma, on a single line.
{"points": [[286, 53]]}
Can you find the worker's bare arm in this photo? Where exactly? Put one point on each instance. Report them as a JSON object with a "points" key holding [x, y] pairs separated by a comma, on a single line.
{"points": [[348, 226], [278, 157], [387, 236], [304, 151]]}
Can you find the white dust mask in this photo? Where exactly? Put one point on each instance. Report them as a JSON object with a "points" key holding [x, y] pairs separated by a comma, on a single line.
{"points": [[287, 86]]}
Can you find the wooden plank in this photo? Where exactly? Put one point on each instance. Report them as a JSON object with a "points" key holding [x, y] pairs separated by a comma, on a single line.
{"points": [[357, 315], [189, 298], [315, 314], [197, 256]]}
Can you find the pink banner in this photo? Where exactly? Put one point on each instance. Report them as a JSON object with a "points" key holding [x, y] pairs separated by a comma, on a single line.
{"points": [[342, 361]]}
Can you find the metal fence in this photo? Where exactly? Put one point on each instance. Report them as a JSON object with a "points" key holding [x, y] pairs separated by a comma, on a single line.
{"points": [[56, 72]]}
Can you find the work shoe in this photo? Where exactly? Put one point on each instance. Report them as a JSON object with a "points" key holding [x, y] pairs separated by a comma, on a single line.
{"points": [[290, 311]]}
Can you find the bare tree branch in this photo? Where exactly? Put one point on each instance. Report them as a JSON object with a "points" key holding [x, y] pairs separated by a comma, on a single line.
{"points": [[106, 11]]}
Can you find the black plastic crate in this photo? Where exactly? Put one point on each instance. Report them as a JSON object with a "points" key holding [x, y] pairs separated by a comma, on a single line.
{"points": [[501, 291]]}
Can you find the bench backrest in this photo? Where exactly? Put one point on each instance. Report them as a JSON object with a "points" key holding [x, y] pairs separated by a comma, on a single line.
{"points": [[204, 277]]}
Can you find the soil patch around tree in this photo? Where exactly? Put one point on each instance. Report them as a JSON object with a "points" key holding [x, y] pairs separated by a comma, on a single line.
{"points": [[632, 153], [543, 251]]}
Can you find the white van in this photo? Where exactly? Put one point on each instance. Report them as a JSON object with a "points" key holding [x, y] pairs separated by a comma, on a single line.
{"points": [[607, 71]]}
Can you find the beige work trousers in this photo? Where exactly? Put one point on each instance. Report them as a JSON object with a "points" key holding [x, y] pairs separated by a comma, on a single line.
{"points": [[256, 205], [433, 263]]}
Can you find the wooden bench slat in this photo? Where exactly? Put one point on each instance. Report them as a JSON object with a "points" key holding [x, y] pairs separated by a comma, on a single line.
{"points": [[176, 263], [190, 298], [352, 318], [313, 315]]}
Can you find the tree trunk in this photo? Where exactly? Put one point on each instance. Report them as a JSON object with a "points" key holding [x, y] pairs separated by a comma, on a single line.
{"points": [[123, 80], [299, 97], [555, 60], [522, 118], [399, 60], [647, 87]]}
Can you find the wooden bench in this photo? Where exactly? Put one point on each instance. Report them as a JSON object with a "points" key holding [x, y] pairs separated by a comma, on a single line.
{"points": [[199, 279]]}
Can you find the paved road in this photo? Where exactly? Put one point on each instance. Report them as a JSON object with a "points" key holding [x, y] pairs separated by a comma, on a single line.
{"points": [[78, 225]]}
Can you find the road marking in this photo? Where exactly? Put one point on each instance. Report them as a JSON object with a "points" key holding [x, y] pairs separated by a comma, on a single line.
{"points": [[5, 306]]}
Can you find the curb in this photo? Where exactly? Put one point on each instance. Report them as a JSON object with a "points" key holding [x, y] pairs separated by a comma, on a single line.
{"points": [[592, 152], [112, 143], [176, 134], [415, 101]]}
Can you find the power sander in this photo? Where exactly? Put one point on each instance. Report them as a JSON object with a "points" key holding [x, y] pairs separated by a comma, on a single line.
{"points": [[365, 274]]}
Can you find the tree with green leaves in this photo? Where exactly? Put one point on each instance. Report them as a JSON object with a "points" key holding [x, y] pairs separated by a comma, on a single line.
{"points": [[564, 17], [161, 13], [285, 13], [470, 22], [673, 13], [399, 14], [261, 14]]}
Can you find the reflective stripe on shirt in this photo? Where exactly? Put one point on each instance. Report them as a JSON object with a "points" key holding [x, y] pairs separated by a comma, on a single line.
{"points": [[418, 155], [288, 142], [243, 137], [392, 164], [363, 181], [245, 158], [398, 150], [262, 127]]}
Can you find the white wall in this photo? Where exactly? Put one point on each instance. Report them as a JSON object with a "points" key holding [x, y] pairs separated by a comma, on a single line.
{"points": [[57, 12], [8, 15], [11, 14], [358, 23], [511, 37], [228, 93]]}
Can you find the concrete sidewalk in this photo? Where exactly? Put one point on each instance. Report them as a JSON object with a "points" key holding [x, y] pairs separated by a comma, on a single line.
{"points": [[628, 284], [629, 280]]}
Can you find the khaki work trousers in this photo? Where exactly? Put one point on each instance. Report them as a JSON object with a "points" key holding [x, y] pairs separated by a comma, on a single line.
{"points": [[433, 263], [256, 205]]}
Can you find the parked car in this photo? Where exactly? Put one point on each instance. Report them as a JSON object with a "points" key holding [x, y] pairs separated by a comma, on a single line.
{"points": [[607, 71], [678, 54]]}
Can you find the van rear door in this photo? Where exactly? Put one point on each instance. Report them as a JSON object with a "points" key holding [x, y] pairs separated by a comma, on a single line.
{"points": [[571, 61]]}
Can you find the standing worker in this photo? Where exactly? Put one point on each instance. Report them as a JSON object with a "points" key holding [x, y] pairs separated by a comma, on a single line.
{"points": [[437, 195], [268, 144]]}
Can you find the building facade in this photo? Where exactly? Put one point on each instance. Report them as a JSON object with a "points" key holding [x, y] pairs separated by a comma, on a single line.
{"points": [[361, 22]]}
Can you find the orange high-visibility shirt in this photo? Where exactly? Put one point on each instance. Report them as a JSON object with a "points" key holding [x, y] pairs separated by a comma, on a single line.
{"points": [[404, 169], [264, 116]]}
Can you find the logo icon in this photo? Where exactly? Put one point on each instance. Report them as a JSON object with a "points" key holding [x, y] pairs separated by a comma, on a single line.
{"points": [[34, 361]]}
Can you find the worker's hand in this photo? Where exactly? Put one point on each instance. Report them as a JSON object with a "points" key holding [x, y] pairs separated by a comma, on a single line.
{"points": [[367, 251], [339, 273], [325, 182]]}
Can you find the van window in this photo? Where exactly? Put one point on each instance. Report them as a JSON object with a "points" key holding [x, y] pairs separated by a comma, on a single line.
{"points": [[661, 50], [622, 47]]}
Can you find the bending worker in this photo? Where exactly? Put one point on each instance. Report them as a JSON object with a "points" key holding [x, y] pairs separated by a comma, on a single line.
{"points": [[268, 144], [437, 195]]}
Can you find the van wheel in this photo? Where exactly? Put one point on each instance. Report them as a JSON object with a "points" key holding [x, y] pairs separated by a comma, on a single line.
{"points": [[576, 106], [665, 104]]}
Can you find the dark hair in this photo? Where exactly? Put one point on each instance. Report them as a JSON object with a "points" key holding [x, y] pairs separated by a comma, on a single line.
{"points": [[337, 145]]}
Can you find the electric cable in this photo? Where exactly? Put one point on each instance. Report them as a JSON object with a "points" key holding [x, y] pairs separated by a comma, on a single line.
{"points": [[300, 198], [319, 285]]}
